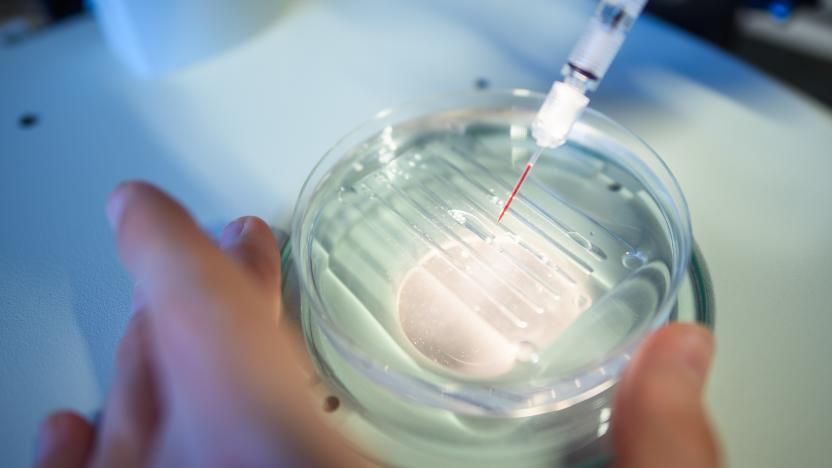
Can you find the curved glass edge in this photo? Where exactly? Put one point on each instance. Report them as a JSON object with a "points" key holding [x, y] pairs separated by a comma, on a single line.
{"points": [[700, 277], [403, 112], [703, 289], [704, 314]]}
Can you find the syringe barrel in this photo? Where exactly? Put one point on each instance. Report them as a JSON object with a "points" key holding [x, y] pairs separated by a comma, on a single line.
{"points": [[587, 65], [601, 40]]}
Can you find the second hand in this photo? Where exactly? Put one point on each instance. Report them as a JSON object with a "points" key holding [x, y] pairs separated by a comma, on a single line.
{"points": [[529, 166]]}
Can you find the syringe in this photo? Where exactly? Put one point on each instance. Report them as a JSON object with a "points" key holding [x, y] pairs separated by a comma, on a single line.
{"points": [[587, 65]]}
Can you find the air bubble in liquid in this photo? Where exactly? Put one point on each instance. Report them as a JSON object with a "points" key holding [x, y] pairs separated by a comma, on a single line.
{"points": [[633, 260], [527, 353], [345, 192]]}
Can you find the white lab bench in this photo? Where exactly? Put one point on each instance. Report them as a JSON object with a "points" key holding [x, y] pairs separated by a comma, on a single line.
{"points": [[238, 133]]}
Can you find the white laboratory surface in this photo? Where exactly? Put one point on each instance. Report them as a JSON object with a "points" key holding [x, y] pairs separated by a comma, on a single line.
{"points": [[238, 132]]}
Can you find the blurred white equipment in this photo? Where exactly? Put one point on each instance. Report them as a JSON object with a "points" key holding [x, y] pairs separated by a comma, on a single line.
{"points": [[155, 36]]}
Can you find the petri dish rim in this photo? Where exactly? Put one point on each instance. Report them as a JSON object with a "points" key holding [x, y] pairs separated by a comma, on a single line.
{"points": [[467, 397], [700, 310]]}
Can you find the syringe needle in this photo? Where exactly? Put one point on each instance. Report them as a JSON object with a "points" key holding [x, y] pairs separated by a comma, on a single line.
{"points": [[587, 65], [529, 166]]}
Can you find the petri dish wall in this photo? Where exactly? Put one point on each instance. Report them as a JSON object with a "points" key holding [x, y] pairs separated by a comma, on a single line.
{"points": [[482, 343]]}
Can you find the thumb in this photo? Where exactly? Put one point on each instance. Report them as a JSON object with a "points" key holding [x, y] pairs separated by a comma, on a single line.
{"points": [[660, 419]]}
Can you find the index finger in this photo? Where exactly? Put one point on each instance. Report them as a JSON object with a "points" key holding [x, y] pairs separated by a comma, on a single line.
{"points": [[223, 356], [162, 247], [203, 308]]}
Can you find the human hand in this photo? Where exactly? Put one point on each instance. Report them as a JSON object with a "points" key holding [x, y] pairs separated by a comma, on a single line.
{"points": [[206, 376], [659, 419]]}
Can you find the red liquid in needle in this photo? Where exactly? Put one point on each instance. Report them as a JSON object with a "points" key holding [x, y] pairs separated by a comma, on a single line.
{"points": [[514, 192]]}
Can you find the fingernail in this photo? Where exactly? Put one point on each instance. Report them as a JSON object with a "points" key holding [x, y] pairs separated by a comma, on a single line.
{"points": [[232, 232], [695, 349], [115, 206]]}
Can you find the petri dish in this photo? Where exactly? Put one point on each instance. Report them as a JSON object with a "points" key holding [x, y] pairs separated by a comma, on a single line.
{"points": [[459, 340]]}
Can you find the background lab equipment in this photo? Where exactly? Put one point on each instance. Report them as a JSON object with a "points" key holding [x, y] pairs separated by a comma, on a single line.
{"points": [[749, 152]]}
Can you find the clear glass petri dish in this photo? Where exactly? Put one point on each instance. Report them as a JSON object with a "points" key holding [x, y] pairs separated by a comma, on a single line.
{"points": [[461, 340]]}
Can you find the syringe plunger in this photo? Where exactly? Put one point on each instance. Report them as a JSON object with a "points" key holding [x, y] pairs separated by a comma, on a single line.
{"points": [[601, 39]]}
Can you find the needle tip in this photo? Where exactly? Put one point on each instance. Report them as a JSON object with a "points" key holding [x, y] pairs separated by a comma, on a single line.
{"points": [[514, 192]]}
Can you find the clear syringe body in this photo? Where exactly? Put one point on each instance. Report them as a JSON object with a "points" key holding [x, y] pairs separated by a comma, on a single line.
{"points": [[588, 63]]}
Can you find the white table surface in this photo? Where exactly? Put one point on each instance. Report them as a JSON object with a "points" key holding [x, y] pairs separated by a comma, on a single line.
{"points": [[237, 134]]}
